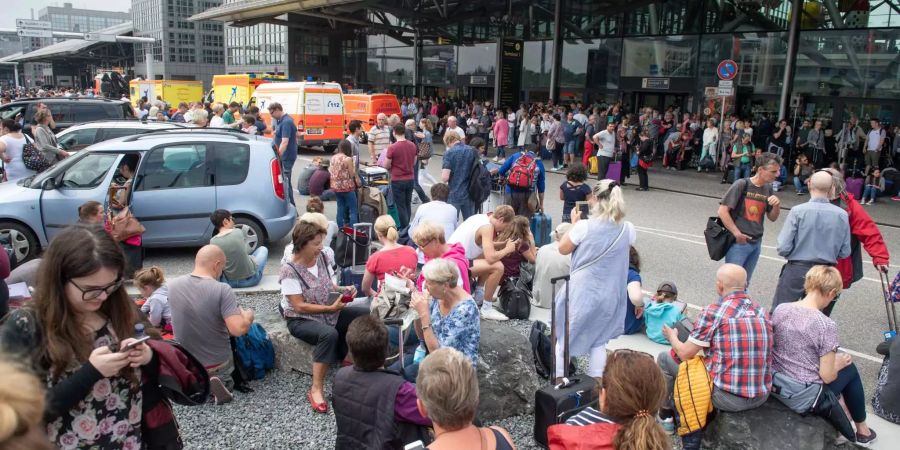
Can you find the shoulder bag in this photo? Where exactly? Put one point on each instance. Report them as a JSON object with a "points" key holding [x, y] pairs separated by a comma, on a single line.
{"points": [[34, 157], [124, 225], [718, 239]]}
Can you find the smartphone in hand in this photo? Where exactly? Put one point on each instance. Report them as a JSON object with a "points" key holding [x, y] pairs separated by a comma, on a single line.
{"points": [[134, 344]]}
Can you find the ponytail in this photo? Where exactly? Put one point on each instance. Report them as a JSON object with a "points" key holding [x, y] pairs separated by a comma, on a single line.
{"points": [[610, 205], [387, 228], [151, 276], [641, 432], [635, 401]]}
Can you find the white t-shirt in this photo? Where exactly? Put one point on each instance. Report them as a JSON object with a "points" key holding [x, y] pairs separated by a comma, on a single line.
{"points": [[15, 169], [465, 235], [874, 140], [607, 143], [293, 286], [459, 131], [579, 231], [217, 122]]}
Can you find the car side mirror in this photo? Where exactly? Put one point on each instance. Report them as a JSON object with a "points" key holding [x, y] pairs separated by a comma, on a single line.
{"points": [[48, 184]]}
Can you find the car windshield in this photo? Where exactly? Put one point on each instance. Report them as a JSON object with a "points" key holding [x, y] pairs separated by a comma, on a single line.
{"points": [[86, 168], [12, 112]]}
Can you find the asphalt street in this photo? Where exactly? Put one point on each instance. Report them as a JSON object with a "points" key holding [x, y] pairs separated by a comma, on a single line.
{"points": [[670, 219]]}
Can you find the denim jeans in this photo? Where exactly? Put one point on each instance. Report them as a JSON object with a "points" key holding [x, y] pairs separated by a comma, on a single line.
{"points": [[423, 197], [870, 193], [402, 191], [286, 167], [410, 370], [347, 212], [848, 386], [465, 207], [745, 255], [798, 185], [501, 151], [742, 171], [569, 148], [260, 255]]}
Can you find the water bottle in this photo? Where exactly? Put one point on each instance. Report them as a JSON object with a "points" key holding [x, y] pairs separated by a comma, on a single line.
{"points": [[138, 330], [419, 355]]}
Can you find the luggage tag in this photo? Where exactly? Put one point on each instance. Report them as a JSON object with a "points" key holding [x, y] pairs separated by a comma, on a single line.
{"points": [[888, 335]]}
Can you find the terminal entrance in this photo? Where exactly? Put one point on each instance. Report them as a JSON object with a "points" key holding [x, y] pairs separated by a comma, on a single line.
{"points": [[659, 100]]}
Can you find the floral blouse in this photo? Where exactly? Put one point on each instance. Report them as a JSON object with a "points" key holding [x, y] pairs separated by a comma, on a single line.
{"points": [[109, 417], [460, 329]]}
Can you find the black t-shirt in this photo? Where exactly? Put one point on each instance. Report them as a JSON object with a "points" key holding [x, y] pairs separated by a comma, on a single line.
{"points": [[751, 214]]}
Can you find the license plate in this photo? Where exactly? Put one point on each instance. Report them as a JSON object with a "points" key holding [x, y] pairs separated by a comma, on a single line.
{"points": [[315, 131]]}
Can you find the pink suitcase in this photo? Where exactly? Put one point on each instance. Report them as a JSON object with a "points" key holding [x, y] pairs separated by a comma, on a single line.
{"points": [[855, 187], [614, 172]]}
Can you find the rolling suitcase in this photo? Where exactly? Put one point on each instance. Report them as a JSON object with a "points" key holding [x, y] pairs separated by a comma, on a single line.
{"points": [[541, 225], [556, 403], [614, 172], [353, 274], [889, 307]]}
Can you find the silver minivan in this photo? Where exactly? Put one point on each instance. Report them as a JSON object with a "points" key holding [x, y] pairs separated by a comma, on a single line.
{"points": [[182, 176]]}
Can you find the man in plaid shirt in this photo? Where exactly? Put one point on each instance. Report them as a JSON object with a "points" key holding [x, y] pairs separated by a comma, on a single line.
{"points": [[735, 335]]}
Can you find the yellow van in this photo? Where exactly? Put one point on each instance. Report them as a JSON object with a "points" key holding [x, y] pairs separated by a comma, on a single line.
{"points": [[172, 92], [240, 88]]}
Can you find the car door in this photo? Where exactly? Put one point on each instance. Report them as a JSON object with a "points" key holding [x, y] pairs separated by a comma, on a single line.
{"points": [[174, 195], [88, 178]]}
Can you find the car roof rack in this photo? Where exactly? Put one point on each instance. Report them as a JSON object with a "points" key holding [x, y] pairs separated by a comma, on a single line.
{"points": [[237, 134], [133, 119]]}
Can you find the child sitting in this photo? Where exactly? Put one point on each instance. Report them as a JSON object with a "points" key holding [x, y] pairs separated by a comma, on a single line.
{"points": [[152, 284], [665, 309], [519, 231], [874, 187]]}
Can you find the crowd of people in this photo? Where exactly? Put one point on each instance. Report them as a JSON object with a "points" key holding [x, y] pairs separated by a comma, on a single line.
{"points": [[82, 336]]}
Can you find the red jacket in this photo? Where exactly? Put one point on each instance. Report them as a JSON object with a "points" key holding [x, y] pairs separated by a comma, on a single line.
{"points": [[862, 230], [598, 436]]}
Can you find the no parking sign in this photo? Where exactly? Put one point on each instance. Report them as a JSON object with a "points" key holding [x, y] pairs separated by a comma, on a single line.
{"points": [[727, 70]]}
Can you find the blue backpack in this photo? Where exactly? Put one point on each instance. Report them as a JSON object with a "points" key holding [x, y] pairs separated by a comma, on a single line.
{"points": [[255, 352]]}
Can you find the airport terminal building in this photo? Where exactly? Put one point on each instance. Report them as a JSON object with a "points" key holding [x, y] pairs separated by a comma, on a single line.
{"points": [[639, 52]]}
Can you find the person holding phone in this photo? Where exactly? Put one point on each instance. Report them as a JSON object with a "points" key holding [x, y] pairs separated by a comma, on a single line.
{"points": [[573, 190], [312, 314], [76, 335]]}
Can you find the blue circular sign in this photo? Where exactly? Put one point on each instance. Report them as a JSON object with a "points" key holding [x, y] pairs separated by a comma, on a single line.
{"points": [[727, 70]]}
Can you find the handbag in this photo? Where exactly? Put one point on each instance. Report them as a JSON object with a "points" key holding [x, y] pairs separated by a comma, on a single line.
{"points": [[124, 225], [424, 151], [33, 157], [393, 300], [345, 242], [718, 239]]}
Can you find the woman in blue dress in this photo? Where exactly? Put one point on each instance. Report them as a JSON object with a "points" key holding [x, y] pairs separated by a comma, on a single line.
{"points": [[599, 246]]}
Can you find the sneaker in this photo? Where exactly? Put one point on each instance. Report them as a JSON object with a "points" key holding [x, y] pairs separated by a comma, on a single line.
{"points": [[896, 198], [496, 158], [667, 424], [493, 314], [219, 391], [866, 441], [801, 193]]}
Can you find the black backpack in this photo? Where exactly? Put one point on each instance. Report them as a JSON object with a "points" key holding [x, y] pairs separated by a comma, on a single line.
{"points": [[479, 181], [515, 299], [541, 348]]}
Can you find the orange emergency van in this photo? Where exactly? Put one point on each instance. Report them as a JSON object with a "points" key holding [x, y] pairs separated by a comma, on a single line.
{"points": [[365, 108], [316, 107]]}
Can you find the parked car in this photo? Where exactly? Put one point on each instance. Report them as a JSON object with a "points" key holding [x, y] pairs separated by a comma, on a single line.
{"points": [[79, 136], [182, 176], [67, 111]]}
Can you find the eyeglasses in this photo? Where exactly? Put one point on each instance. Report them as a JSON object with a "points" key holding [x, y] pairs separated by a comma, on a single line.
{"points": [[93, 293], [424, 243]]}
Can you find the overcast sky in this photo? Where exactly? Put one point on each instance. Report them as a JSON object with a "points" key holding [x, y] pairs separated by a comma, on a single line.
{"points": [[21, 9]]}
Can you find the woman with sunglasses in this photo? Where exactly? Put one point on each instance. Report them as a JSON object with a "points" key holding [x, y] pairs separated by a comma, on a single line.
{"points": [[625, 418], [599, 246], [76, 336]]}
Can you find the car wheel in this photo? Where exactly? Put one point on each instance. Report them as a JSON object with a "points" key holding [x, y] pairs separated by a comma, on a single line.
{"points": [[253, 233], [23, 241]]}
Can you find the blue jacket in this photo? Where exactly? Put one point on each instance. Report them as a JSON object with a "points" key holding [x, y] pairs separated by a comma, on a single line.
{"points": [[504, 169]]}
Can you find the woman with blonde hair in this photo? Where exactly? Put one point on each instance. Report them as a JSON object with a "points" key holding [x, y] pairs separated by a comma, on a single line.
{"points": [[21, 410], [447, 389], [805, 352], [44, 139], [391, 259], [600, 247]]}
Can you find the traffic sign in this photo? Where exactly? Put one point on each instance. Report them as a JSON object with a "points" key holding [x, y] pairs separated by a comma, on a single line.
{"points": [[33, 33], [726, 83], [99, 37], [725, 92], [727, 70], [35, 24]]}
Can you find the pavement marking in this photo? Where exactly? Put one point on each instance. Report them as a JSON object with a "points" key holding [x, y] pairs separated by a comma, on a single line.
{"points": [[770, 247], [698, 307]]}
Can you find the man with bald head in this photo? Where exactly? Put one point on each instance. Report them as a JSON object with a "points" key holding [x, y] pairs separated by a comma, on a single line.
{"points": [[205, 315], [453, 127], [735, 334], [379, 137], [815, 233]]}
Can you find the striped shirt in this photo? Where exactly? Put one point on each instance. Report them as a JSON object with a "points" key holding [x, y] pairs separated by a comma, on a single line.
{"points": [[380, 137], [589, 416]]}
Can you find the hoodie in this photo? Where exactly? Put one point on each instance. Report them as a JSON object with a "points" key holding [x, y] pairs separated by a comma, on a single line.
{"points": [[157, 307], [457, 254]]}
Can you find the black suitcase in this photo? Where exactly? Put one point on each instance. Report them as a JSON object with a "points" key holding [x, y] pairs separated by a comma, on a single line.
{"points": [[353, 275], [556, 403]]}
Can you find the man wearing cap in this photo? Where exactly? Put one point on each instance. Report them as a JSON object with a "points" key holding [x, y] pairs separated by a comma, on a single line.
{"points": [[549, 264], [814, 233]]}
